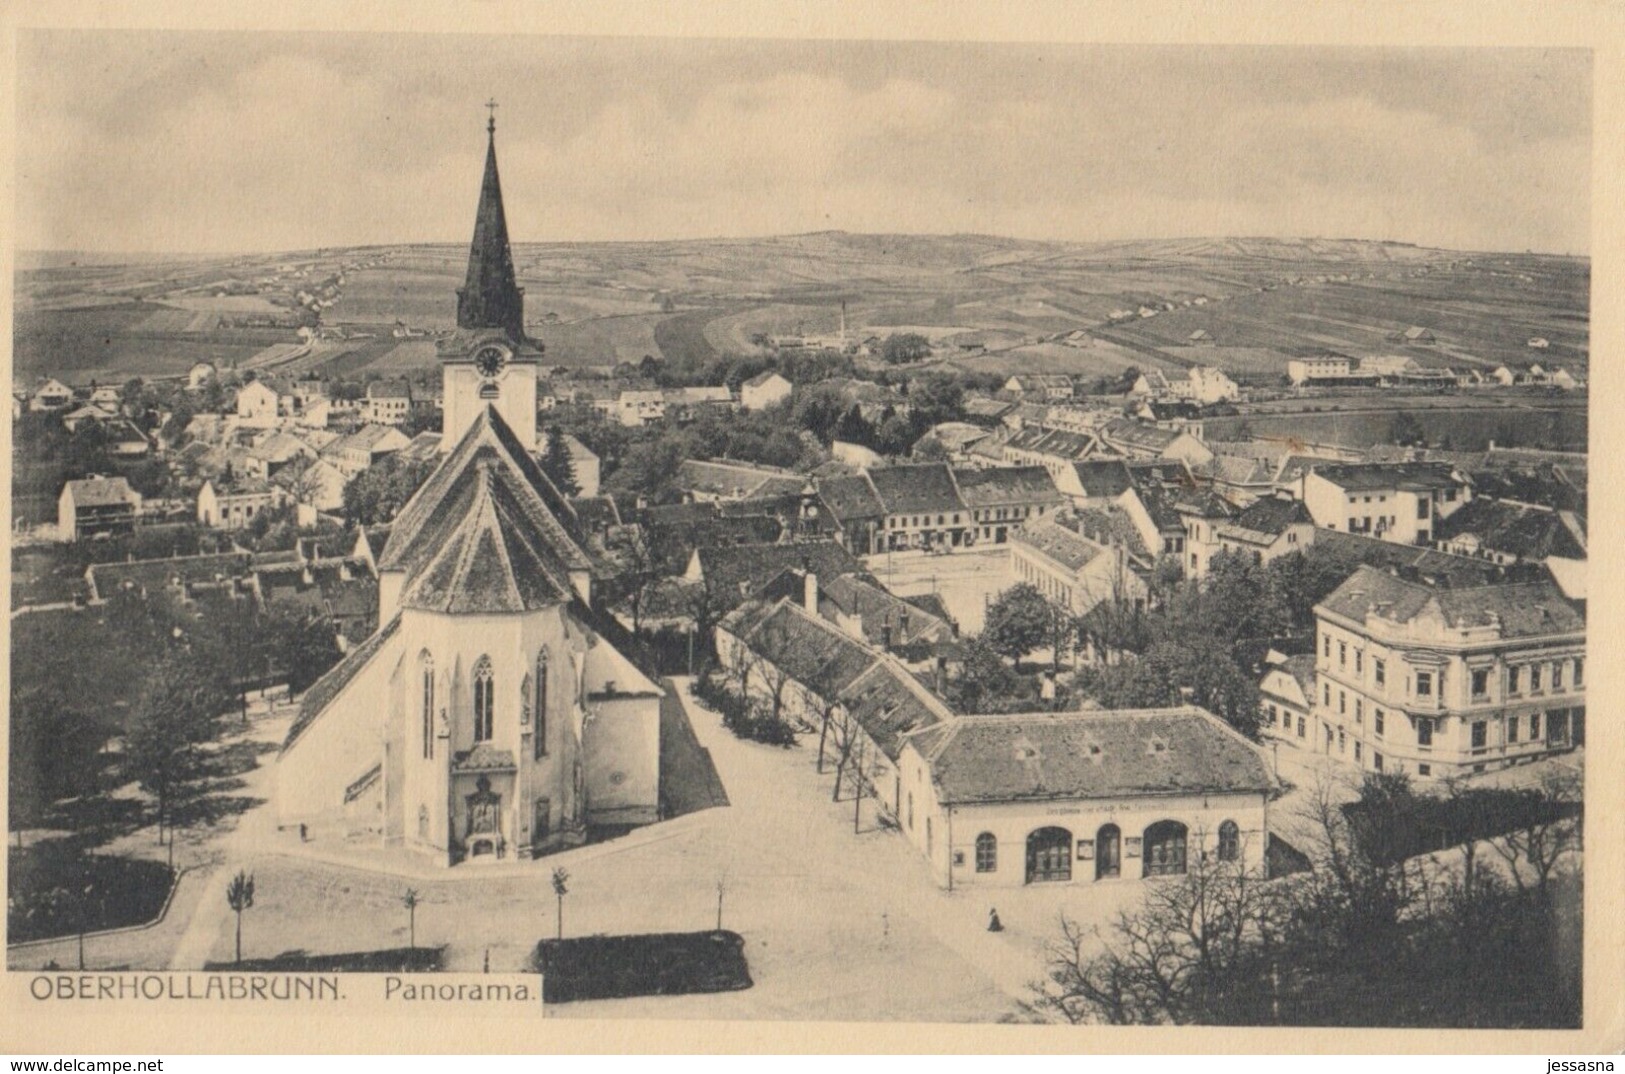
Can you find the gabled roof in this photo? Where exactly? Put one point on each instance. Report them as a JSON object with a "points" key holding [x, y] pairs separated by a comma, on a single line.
{"points": [[459, 486], [1060, 544], [389, 389], [763, 377], [1514, 529], [732, 480], [1103, 479], [1003, 485], [1059, 443], [1416, 476], [1099, 754], [919, 487], [888, 703], [101, 492], [879, 607], [851, 497], [1273, 515], [496, 559], [1527, 609], [743, 569]]}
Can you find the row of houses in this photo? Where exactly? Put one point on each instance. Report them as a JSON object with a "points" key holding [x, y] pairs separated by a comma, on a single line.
{"points": [[1010, 800], [1397, 370]]}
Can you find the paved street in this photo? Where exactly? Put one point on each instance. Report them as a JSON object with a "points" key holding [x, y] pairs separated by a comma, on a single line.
{"points": [[966, 581], [828, 916]]}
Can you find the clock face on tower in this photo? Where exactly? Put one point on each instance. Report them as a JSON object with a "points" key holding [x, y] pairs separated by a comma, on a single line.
{"points": [[489, 360]]}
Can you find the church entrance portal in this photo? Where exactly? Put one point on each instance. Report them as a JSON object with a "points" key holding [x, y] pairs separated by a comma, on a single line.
{"points": [[482, 832]]}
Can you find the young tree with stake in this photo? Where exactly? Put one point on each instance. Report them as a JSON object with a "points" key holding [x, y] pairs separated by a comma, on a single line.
{"points": [[240, 896]]}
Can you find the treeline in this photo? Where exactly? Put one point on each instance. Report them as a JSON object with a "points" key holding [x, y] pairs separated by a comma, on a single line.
{"points": [[1486, 934]]}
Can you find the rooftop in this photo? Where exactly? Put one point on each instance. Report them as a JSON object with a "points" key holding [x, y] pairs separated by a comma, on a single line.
{"points": [[1519, 610], [1002, 485], [1092, 754], [1410, 476]]}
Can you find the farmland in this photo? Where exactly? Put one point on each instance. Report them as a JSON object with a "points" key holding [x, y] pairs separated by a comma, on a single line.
{"points": [[1253, 300]]}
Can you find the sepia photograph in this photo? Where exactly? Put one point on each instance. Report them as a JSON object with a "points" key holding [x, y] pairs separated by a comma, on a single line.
{"points": [[799, 529]]}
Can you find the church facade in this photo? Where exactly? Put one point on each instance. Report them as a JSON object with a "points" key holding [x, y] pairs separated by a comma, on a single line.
{"points": [[489, 716]]}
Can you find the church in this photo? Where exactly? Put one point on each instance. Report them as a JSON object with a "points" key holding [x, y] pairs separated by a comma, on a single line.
{"points": [[490, 716]]}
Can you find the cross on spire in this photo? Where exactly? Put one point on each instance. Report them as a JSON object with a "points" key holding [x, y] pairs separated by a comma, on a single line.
{"points": [[491, 124]]}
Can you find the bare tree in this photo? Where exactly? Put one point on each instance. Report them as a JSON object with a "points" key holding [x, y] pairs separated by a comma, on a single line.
{"points": [[1200, 944], [1551, 834], [410, 900], [561, 881]]}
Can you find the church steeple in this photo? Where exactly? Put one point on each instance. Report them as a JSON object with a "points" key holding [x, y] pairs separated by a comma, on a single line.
{"points": [[491, 296]]}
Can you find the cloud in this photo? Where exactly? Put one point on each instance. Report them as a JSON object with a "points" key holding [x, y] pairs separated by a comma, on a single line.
{"points": [[212, 141]]}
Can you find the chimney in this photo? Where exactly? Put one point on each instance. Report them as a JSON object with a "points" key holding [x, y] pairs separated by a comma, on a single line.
{"points": [[809, 592], [885, 637]]}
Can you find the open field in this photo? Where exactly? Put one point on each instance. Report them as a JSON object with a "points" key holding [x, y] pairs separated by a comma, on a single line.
{"points": [[599, 303], [1559, 424]]}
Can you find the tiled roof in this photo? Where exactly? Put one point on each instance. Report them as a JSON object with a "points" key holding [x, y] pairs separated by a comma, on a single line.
{"points": [[1273, 515], [1357, 549], [888, 703], [496, 559], [1102, 754], [762, 378], [1058, 443], [442, 503], [819, 655], [850, 498], [1420, 476], [1530, 609], [1004, 485], [101, 492], [1104, 479], [389, 389], [1111, 525], [1059, 544], [326, 688], [879, 608], [1526, 532], [1137, 437], [743, 569], [918, 488]]}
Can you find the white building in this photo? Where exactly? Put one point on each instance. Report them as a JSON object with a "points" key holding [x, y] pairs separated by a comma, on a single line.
{"points": [[638, 408], [1443, 681], [764, 390], [490, 716], [1082, 797], [1399, 501], [256, 406]]}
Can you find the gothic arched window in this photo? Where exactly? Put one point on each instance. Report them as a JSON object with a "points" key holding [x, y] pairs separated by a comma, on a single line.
{"points": [[541, 705], [426, 667], [484, 701]]}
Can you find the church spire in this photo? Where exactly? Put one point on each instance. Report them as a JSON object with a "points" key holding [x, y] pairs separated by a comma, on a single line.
{"points": [[490, 296]]}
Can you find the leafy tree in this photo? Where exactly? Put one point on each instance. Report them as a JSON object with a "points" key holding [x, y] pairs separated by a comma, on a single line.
{"points": [[854, 428], [649, 467], [930, 449], [302, 646], [558, 464], [1020, 620], [1406, 431], [817, 409], [900, 348], [936, 398], [378, 493], [985, 678], [895, 436], [175, 711]]}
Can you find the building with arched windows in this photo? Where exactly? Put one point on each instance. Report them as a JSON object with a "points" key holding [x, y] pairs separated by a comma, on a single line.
{"points": [[1082, 797], [491, 715]]}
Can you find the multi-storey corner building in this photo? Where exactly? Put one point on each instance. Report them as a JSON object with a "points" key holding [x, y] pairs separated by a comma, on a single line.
{"points": [[1447, 681]]}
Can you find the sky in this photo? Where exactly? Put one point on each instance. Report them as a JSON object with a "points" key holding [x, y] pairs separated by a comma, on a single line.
{"points": [[152, 141]]}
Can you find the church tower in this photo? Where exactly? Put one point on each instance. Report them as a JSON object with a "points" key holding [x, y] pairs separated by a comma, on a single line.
{"points": [[488, 360]]}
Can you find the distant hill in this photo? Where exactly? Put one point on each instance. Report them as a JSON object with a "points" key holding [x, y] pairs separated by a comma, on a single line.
{"points": [[1250, 300]]}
